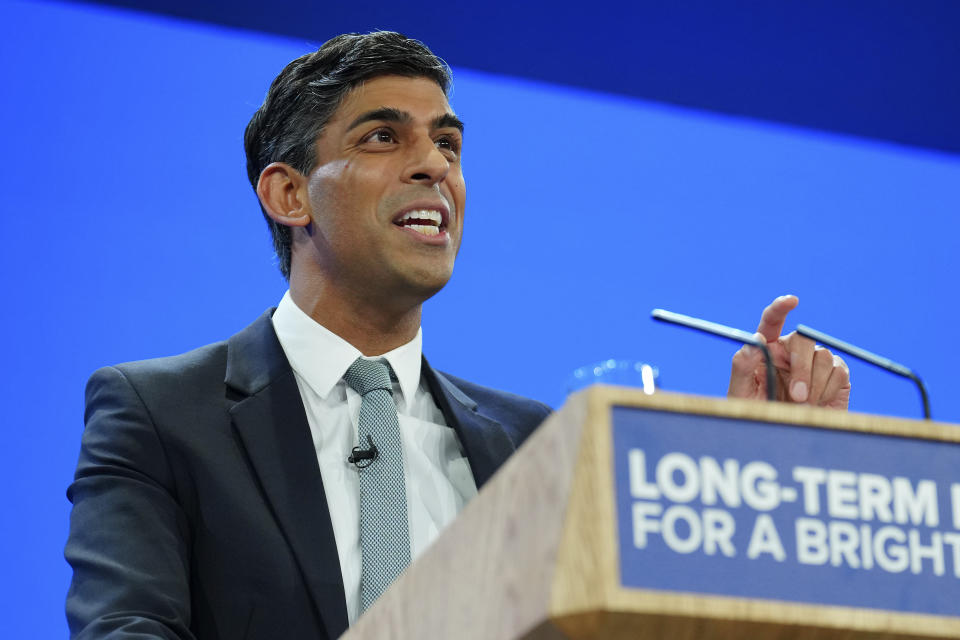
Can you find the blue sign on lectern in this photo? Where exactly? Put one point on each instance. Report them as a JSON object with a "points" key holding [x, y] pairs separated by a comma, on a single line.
{"points": [[735, 507]]}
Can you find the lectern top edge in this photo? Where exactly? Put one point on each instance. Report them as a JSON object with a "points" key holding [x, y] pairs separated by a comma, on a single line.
{"points": [[780, 412]]}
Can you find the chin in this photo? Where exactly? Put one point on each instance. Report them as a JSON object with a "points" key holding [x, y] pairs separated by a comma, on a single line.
{"points": [[428, 290], [428, 284]]}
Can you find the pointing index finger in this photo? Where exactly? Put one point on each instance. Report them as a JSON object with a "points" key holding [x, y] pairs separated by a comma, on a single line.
{"points": [[775, 315]]}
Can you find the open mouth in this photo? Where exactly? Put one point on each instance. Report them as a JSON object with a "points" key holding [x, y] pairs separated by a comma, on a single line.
{"points": [[426, 221]]}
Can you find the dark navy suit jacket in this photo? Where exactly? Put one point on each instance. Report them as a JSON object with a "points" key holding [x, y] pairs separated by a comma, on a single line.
{"points": [[199, 509]]}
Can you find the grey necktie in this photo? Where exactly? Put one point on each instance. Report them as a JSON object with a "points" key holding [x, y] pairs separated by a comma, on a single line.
{"points": [[384, 536]]}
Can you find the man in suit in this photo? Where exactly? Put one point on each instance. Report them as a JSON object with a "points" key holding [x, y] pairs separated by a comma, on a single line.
{"points": [[213, 497]]}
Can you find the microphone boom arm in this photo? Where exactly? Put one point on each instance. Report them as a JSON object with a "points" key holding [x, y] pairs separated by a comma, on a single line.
{"points": [[872, 358], [723, 331]]}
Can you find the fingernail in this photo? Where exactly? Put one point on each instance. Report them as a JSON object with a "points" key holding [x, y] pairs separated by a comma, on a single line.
{"points": [[798, 391]]}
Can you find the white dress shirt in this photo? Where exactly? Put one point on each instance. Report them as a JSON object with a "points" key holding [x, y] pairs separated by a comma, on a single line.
{"points": [[437, 475]]}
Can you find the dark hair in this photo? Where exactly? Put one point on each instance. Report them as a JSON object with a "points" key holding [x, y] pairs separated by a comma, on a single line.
{"points": [[305, 95]]}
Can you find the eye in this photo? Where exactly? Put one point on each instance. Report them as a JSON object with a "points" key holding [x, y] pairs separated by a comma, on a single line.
{"points": [[448, 143], [382, 136]]}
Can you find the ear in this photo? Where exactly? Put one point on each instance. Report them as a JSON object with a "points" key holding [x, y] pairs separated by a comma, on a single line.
{"points": [[283, 193]]}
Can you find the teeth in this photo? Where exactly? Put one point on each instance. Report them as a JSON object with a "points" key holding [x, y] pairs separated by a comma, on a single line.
{"points": [[425, 229], [423, 214]]}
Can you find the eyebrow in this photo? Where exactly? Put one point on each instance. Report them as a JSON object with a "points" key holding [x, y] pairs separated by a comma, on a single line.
{"points": [[389, 114], [448, 120]]}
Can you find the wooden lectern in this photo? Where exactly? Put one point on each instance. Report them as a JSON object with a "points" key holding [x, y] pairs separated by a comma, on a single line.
{"points": [[678, 517]]}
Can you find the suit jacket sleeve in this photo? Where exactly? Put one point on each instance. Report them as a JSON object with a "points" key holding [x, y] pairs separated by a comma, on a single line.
{"points": [[129, 541]]}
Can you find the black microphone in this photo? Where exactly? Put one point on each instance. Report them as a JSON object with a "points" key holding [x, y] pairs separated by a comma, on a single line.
{"points": [[872, 358], [363, 455], [723, 331]]}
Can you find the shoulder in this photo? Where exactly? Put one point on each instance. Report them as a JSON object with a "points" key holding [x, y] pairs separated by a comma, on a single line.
{"points": [[134, 411], [249, 358], [520, 415], [175, 377], [487, 396]]}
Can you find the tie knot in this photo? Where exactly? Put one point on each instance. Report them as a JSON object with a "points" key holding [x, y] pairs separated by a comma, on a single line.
{"points": [[364, 376]]}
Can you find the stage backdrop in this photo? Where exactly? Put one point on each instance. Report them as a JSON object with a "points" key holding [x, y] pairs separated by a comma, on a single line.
{"points": [[130, 232]]}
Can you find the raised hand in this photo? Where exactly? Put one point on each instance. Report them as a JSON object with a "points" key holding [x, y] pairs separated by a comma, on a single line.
{"points": [[806, 373]]}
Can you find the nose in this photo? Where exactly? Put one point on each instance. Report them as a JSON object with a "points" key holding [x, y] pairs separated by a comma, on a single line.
{"points": [[428, 166]]}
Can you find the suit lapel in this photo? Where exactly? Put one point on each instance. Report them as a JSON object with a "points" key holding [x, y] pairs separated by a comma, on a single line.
{"points": [[486, 443], [272, 425], [271, 422]]}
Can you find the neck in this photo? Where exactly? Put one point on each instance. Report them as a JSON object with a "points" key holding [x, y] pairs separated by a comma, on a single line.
{"points": [[371, 326]]}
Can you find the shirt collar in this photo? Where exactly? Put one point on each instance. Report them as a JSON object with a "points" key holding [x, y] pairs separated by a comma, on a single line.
{"points": [[321, 357]]}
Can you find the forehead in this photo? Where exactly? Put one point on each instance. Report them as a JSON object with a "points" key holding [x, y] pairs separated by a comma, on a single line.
{"points": [[421, 97]]}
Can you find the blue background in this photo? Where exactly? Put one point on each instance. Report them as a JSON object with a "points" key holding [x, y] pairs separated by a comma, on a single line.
{"points": [[130, 232], [783, 447]]}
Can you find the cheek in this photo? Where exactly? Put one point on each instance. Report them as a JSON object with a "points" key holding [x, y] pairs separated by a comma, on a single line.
{"points": [[322, 183], [330, 192], [458, 190]]}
